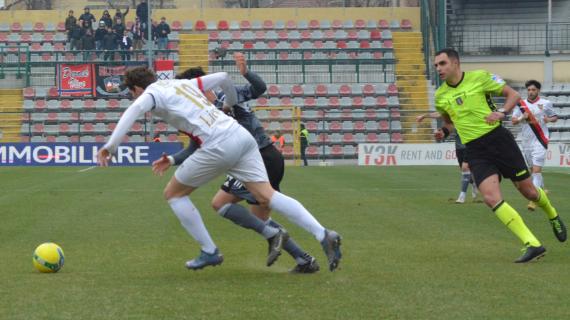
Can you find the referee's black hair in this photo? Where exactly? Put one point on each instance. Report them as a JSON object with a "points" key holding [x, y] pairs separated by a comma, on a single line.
{"points": [[191, 73], [532, 83], [451, 53]]}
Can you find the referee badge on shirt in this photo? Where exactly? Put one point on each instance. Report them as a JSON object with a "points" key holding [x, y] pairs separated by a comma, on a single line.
{"points": [[459, 101]]}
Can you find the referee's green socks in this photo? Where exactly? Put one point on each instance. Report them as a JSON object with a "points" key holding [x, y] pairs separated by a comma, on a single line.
{"points": [[544, 203], [511, 218]]}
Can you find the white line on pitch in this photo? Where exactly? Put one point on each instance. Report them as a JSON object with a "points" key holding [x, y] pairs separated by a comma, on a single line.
{"points": [[86, 169]]}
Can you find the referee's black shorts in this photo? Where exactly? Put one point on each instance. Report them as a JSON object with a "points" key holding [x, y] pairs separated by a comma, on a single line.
{"points": [[496, 152], [461, 155]]}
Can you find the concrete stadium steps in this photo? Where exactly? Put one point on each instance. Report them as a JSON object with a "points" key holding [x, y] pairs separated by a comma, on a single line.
{"points": [[11, 101], [412, 86], [193, 51]]}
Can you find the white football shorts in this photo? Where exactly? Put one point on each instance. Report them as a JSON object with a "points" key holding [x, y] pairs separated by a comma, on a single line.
{"points": [[237, 155]]}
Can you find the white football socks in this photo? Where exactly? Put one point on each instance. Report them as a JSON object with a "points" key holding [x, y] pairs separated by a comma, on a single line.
{"points": [[296, 213], [192, 221]]}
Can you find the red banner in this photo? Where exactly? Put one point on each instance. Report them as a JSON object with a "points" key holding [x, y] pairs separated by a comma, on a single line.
{"points": [[76, 80]]}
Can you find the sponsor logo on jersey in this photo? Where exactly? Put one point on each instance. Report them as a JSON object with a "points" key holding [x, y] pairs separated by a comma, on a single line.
{"points": [[540, 106], [497, 79]]}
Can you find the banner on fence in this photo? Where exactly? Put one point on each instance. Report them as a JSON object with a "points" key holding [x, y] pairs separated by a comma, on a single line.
{"points": [[109, 82], [81, 154], [369, 154], [75, 80]]}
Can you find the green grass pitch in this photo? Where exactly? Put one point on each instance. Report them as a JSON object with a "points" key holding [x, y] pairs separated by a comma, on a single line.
{"points": [[409, 253]]}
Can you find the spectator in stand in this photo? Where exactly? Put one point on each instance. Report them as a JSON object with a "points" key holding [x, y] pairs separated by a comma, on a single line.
{"points": [[120, 15], [76, 33], [87, 19], [70, 22], [142, 11], [88, 43], [163, 30], [126, 46], [153, 31], [99, 34], [106, 18], [119, 28], [138, 34], [110, 44]]}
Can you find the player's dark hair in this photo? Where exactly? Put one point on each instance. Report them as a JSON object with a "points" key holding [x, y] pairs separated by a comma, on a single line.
{"points": [[532, 83], [139, 76], [451, 53], [191, 73]]}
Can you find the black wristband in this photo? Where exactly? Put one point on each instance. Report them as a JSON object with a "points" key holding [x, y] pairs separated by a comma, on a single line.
{"points": [[445, 132]]}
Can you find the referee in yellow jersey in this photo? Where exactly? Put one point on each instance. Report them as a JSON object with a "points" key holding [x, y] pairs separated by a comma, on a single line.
{"points": [[464, 102]]}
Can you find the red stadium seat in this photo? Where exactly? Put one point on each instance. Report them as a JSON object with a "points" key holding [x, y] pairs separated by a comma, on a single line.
{"points": [[268, 24], [310, 102], [314, 24], [291, 24], [335, 126], [337, 24], [200, 25], [260, 35], [334, 102], [341, 44], [371, 137], [364, 44], [375, 35], [176, 25], [16, 27], [61, 27], [273, 90], [357, 102], [53, 92], [39, 27], [383, 24], [381, 101], [348, 138], [336, 151], [245, 25], [392, 89], [352, 35], [360, 24], [396, 137], [312, 151], [311, 125], [223, 25], [368, 90], [297, 90], [345, 90], [387, 44], [406, 24], [29, 92], [214, 36], [321, 90], [384, 126]]}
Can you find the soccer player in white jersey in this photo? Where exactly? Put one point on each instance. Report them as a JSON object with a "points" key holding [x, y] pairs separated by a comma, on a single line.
{"points": [[225, 147], [534, 113]]}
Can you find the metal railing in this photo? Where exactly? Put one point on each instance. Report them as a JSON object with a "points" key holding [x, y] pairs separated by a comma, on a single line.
{"points": [[314, 70], [510, 38], [20, 60]]}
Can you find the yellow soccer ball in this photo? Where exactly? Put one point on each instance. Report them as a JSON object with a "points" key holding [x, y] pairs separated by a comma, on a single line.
{"points": [[48, 257]]}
